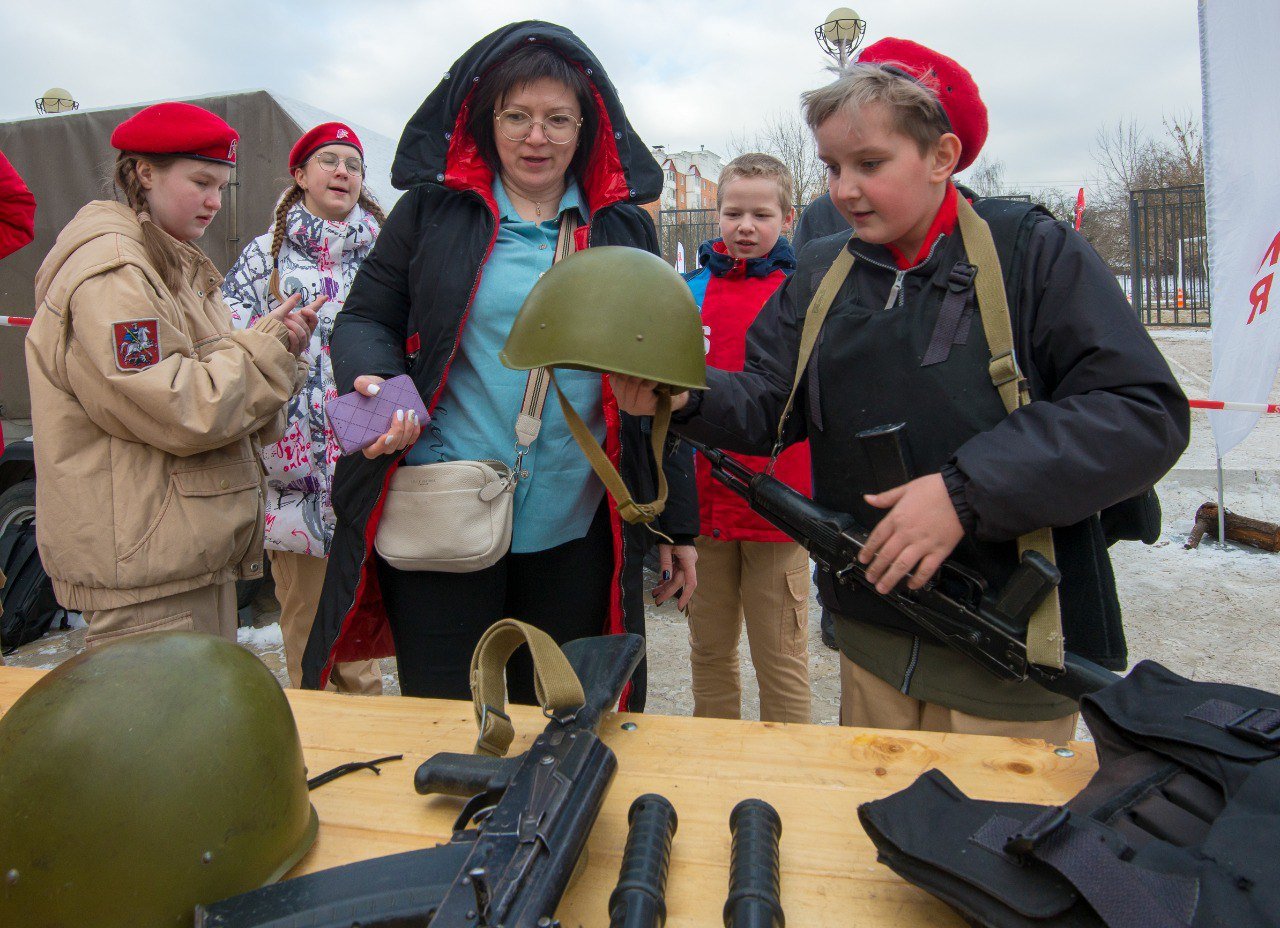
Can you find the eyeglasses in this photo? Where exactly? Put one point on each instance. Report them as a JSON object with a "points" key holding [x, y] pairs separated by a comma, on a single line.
{"points": [[328, 162], [558, 128]]}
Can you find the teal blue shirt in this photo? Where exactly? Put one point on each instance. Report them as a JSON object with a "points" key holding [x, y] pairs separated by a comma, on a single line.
{"points": [[475, 416]]}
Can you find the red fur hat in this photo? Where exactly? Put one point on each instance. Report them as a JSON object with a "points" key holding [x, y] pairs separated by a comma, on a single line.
{"points": [[327, 133], [177, 129], [950, 83]]}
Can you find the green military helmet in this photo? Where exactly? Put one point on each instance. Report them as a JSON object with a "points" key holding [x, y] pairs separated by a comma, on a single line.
{"points": [[146, 776], [612, 309], [619, 311]]}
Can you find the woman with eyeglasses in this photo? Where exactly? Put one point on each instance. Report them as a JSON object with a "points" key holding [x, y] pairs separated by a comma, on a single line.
{"points": [[325, 224], [523, 134]]}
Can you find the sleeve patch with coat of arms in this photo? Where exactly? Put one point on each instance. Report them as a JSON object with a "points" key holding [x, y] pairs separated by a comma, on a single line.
{"points": [[137, 344]]}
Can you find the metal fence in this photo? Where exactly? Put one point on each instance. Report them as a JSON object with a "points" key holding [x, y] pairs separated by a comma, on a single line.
{"points": [[1169, 256], [689, 227]]}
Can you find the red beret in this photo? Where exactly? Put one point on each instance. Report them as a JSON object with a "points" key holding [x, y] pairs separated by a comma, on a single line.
{"points": [[327, 133], [950, 83], [177, 129]]}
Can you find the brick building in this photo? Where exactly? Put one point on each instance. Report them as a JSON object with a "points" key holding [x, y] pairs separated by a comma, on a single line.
{"points": [[689, 179]]}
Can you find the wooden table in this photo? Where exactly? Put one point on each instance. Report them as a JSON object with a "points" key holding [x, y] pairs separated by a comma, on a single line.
{"points": [[815, 776]]}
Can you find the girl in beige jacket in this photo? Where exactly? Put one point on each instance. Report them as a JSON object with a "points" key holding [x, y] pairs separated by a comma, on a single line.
{"points": [[148, 410]]}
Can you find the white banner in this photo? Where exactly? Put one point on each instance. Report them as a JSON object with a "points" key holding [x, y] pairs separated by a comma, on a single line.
{"points": [[679, 257], [1240, 69]]}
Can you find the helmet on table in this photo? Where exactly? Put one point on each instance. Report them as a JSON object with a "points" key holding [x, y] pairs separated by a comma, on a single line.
{"points": [[143, 777]]}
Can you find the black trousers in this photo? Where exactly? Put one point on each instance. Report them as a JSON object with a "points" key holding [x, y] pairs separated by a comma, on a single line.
{"points": [[437, 618]]}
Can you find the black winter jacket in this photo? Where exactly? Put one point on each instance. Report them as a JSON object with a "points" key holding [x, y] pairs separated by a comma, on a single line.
{"points": [[409, 303], [1106, 422]]}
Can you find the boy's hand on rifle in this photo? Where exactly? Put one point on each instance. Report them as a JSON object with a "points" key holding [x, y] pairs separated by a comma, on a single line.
{"points": [[638, 397], [921, 529]]}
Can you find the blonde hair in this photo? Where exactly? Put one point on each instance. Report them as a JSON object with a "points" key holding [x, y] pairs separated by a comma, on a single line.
{"points": [[294, 194], [913, 108], [758, 164], [158, 244]]}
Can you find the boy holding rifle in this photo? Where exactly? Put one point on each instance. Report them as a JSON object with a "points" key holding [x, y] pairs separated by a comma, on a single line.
{"points": [[1013, 449]]}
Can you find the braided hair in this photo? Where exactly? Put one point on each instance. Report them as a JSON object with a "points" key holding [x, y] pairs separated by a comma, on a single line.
{"points": [[291, 196], [159, 246]]}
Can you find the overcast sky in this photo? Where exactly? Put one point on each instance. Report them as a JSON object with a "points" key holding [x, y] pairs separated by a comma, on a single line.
{"points": [[690, 74]]}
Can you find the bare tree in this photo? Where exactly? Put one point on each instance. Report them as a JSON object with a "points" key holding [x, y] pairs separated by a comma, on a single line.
{"points": [[1128, 159], [1121, 153], [1187, 144], [986, 177], [786, 136]]}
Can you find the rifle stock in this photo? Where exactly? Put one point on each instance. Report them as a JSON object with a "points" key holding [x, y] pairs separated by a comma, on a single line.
{"points": [[956, 607], [515, 844]]}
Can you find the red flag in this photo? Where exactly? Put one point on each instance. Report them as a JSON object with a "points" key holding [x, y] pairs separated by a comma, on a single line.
{"points": [[1079, 208]]}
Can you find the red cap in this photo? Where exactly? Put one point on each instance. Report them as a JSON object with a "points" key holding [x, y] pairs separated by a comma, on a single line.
{"points": [[177, 129], [949, 82], [327, 133]]}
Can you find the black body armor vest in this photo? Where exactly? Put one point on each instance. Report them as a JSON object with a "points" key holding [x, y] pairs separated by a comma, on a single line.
{"points": [[1179, 828]]}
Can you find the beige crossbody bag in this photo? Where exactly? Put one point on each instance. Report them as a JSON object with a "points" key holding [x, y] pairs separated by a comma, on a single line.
{"points": [[455, 516]]}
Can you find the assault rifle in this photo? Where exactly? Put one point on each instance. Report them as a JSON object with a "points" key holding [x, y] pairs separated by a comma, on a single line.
{"points": [[515, 843], [955, 607]]}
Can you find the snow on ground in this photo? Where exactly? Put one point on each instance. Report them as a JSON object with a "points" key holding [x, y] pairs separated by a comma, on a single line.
{"points": [[259, 639]]}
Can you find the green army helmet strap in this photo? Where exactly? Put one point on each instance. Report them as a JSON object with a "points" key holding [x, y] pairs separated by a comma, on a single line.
{"points": [[650, 328], [628, 508], [144, 777]]}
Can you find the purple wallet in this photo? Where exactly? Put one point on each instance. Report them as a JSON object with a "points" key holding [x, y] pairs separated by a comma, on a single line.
{"points": [[358, 420]]}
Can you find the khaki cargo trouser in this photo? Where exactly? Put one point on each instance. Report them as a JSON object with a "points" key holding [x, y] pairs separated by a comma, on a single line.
{"points": [[299, 579], [767, 583], [866, 701], [208, 609]]}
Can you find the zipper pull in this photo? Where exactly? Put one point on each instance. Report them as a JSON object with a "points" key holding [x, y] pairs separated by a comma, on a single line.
{"points": [[895, 292]]}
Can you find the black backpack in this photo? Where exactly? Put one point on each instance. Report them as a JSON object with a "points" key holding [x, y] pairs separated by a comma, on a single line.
{"points": [[1011, 221], [29, 604]]}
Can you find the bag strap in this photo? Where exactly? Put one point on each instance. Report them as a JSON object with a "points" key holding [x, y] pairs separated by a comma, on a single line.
{"points": [[536, 386], [814, 317], [1045, 644], [558, 689]]}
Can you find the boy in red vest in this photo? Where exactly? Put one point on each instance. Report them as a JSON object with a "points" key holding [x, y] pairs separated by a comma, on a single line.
{"points": [[747, 569]]}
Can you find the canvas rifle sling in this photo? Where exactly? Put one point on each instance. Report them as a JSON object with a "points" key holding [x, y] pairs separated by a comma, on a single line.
{"points": [[814, 316], [1044, 631], [554, 681]]}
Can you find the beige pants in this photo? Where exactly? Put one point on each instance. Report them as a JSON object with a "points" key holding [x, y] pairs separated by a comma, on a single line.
{"points": [[767, 583], [209, 609], [866, 701], [299, 580]]}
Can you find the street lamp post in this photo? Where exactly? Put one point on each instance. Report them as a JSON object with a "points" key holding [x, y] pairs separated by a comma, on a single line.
{"points": [[841, 34]]}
